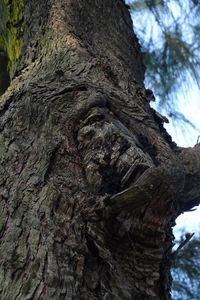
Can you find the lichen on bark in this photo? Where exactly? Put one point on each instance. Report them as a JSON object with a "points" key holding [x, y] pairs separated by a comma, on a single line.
{"points": [[11, 31]]}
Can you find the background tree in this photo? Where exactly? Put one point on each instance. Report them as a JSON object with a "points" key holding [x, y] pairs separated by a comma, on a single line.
{"points": [[90, 181], [169, 34], [186, 273]]}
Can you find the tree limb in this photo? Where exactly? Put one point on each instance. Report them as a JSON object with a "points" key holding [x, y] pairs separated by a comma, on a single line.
{"points": [[190, 196]]}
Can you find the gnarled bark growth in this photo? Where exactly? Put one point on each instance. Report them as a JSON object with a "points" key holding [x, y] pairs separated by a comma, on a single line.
{"points": [[91, 182]]}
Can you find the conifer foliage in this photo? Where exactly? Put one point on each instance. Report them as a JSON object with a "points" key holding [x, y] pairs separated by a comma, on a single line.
{"points": [[169, 32], [186, 272]]}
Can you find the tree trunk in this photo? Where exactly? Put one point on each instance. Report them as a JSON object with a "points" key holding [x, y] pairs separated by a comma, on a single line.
{"points": [[91, 182]]}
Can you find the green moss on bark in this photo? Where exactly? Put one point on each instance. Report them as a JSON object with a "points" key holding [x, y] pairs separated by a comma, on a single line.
{"points": [[11, 30]]}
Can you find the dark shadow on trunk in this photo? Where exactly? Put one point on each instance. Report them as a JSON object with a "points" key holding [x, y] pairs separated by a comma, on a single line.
{"points": [[4, 75]]}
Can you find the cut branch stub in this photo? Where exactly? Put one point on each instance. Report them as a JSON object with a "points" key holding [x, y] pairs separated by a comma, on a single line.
{"points": [[115, 163], [108, 150]]}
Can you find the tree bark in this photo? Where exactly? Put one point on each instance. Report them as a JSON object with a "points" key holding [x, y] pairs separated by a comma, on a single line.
{"points": [[91, 183]]}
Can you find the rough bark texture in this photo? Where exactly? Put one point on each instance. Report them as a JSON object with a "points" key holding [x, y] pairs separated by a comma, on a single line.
{"points": [[90, 181]]}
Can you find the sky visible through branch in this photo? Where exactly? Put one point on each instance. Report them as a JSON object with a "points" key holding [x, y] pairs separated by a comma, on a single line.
{"points": [[181, 105], [187, 136]]}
